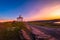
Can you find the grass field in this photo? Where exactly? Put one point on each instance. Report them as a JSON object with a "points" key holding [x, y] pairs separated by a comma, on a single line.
{"points": [[10, 30], [45, 24]]}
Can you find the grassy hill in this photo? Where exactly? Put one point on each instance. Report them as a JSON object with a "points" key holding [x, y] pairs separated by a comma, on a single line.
{"points": [[10, 30]]}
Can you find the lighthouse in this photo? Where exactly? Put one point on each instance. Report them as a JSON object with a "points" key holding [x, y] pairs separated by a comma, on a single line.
{"points": [[20, 18]]}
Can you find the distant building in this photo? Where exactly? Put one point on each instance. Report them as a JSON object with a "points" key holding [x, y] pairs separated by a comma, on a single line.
{"points": [[20, 18]]}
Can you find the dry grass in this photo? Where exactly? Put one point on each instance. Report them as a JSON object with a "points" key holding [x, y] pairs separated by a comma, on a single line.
{"points": [[10, 30], [46, 24]]}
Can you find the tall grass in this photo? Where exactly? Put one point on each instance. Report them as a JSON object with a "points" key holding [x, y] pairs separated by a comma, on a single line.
{"points": [[10, 30]]}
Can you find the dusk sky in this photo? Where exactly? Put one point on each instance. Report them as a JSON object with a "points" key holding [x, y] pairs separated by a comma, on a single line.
{"points": [[29, 9]]}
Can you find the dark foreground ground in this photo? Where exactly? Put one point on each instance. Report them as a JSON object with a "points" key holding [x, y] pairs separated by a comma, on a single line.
{"points": [[27, 31], [45, 32]]}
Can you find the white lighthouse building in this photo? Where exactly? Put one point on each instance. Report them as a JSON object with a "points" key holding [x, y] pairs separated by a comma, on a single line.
{"points": [[20, 18]]}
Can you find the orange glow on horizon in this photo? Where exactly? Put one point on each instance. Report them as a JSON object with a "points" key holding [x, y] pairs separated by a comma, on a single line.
{"points": [[6, 20], [47, 13]]}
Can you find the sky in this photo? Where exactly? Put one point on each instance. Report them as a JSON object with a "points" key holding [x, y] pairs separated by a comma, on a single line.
{"points": [[30, 9]]}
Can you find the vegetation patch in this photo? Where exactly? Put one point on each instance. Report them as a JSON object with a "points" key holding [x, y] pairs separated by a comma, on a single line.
{"points": [[10, 30], [46, 24]]}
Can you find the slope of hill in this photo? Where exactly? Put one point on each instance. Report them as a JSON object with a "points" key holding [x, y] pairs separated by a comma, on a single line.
{"points": [[11, 30]]}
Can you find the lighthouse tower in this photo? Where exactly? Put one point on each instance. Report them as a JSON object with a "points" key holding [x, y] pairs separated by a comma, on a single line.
{"points": [[20, 18]]}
